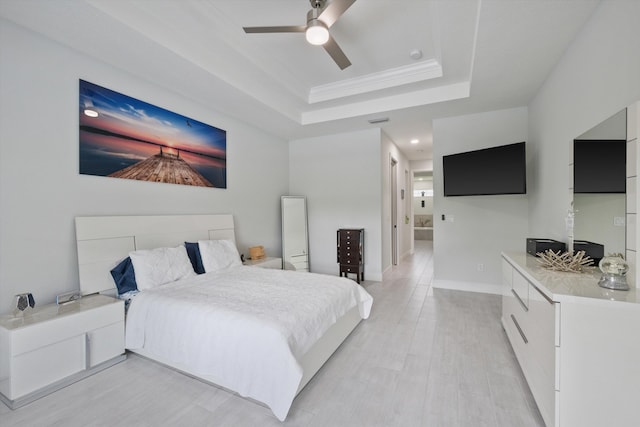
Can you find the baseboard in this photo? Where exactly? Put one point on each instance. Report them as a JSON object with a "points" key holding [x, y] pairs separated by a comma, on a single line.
{"points": [[372, 277], [485, 288]]}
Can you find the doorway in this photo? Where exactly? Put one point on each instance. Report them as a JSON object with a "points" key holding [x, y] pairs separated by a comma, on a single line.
{"points": [[422, 206]]}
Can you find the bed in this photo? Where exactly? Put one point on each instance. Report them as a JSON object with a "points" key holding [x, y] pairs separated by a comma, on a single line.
{"points": [[260, 333]]}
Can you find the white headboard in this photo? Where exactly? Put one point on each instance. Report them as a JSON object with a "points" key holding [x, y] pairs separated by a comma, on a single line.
{"points": [[103, 241]]}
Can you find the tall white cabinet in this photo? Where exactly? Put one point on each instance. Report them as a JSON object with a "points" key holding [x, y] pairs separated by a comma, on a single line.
{"points": [[578, 344], [54, 346]]}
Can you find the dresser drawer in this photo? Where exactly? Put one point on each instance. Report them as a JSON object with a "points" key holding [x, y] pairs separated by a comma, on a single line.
{"points": [[351, 268], [515, 320], [541, 327], [520, 289], [507, 273], [349, 243], [349, 257]]}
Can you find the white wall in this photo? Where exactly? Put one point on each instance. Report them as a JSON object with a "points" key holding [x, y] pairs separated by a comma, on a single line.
{"points": [[41, 190], [341, 177], [421, 165], [598, 75], [467, 250]]}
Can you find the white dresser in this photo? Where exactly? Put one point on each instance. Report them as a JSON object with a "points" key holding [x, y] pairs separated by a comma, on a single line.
{"points": [[578, 344], [53, 346]]}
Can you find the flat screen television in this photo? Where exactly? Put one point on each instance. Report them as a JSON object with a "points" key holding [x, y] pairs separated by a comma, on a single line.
{"points": [[490, 171], [599, 166]]}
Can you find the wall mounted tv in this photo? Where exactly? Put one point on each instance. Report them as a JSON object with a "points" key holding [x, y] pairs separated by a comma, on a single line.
{"points": [[599, 166], [490, 171]]}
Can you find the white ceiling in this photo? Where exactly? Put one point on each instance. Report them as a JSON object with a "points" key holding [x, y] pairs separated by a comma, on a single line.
{"points": [[477, 55]]}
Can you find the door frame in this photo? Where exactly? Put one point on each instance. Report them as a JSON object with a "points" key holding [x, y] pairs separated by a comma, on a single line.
{"points": [[393, 184]]}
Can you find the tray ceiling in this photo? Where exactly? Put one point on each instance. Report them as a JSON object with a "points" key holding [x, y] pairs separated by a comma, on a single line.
{"points": [[473, 56]]}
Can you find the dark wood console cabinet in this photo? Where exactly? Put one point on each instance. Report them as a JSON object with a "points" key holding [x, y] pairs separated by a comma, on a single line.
{"points": [[351, 252]]}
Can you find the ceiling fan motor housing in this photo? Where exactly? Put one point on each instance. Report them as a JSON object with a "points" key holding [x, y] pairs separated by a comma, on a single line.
{"points": [[317, 4], [313, 14]]}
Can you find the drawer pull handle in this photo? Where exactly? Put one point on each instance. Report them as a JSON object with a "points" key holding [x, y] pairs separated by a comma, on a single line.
{"points": [[520, 300], [515, 322], [549, 300], [87, 351]]}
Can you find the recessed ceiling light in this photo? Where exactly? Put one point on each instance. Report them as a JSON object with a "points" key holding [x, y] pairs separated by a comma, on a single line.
{"points": [[415, 141]]}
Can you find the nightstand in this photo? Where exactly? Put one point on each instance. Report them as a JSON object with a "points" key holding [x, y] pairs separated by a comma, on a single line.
{"points": [[56, 345], [267, 262]]}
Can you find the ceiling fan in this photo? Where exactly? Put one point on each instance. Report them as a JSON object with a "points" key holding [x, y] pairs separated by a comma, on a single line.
{"points": [[319, 19]]}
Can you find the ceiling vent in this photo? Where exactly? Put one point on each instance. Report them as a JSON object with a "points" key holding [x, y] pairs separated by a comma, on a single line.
{"points": [[379, 120]]}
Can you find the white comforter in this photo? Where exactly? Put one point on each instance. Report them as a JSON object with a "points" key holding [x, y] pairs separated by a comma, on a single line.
{"points": [[245, 327]]}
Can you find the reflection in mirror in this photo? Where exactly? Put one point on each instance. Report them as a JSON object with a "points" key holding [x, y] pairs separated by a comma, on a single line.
{"points": [[423, 205], [295, 238], [600, 212]]}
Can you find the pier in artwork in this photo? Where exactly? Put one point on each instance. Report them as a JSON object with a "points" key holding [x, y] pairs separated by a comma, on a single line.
{"points": [[163, 167]]}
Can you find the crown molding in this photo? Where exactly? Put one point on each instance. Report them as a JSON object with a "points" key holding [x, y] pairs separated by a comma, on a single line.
{"points": [[424, 70], [388, 103]]}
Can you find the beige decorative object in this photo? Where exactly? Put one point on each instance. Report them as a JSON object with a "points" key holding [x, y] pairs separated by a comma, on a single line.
{"points": [[573, 263], [256, 252]]}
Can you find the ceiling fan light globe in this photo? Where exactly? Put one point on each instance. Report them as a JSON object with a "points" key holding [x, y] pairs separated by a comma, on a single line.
{"points": [[317, 33]]}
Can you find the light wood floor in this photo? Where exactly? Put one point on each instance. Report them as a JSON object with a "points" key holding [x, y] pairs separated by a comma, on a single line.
{"points": [[424, 358]]}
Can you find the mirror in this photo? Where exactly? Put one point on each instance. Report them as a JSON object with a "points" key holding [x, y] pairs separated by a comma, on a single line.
{"points": [[600, 211], [295, 239]]}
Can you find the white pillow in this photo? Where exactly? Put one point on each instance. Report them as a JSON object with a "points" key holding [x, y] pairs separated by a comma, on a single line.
{"points": [[155, 267], [218, 254]]}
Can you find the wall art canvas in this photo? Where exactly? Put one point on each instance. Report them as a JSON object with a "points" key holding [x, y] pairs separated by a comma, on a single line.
{"points": [[124, 137]]}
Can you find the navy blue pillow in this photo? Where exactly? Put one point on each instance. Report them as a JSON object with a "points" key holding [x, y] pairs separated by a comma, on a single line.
{"points": [[193, 251], [124, 276]]}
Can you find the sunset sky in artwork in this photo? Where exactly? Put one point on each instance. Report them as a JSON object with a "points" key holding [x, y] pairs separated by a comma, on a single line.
{"points": [[124, 123]]}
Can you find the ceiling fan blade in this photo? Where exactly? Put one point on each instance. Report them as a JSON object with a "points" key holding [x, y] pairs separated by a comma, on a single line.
{"points": [[281, 29], [336, 53], [333, 11]]}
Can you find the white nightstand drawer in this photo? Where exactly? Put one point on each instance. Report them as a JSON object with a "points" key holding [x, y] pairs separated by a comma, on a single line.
{"points": [[105, 343], [63, 326], [46, 365]]}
